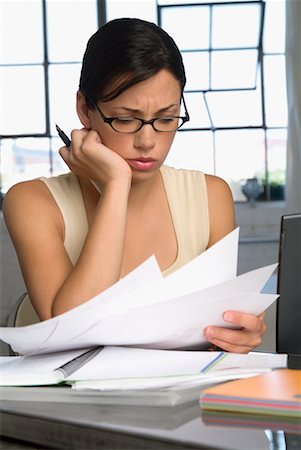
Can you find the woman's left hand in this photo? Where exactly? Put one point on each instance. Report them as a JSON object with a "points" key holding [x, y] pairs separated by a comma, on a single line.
{"points": [[242, 340]]}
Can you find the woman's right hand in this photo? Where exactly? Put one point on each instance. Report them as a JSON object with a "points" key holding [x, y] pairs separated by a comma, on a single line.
{"points": [[89, 158]]}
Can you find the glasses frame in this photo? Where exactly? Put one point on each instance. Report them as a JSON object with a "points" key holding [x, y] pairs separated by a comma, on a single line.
{"points": [[109, 120]]}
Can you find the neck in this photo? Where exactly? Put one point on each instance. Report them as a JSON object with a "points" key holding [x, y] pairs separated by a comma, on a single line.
{"points": [[142, 191]]}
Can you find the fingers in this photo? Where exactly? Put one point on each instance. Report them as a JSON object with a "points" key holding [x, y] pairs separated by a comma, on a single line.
{"points": [[65, 154], [80, 156], [237, 341], [245, 337], [84, 139], [89, 158], [250, 322], [77, 138]]}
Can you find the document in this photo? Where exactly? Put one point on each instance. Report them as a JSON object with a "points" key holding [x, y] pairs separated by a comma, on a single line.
{"points": [[120, 368], [144, 309]]}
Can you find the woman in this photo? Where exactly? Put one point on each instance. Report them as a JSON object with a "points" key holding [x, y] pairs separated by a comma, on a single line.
{"points": [[77, 234]]}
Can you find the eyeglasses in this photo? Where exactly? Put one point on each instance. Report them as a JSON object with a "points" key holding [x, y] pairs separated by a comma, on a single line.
{"points": [[133, 124]]}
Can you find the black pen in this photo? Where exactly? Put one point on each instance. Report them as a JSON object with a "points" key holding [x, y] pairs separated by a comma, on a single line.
{"points": [[63, 136]]}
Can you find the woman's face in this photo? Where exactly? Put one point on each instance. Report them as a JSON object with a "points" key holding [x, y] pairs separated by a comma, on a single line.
{"points": [[146, 149]]}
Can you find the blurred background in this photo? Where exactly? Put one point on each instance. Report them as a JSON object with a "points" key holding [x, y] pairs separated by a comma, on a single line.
{"points": [[241, 94]]}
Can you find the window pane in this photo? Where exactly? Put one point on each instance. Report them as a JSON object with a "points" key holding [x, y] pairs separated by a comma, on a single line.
{"points": [[23, 159], [276, 143], [235, 26], [176, 2], [58, 164], [234, 69], [23, 100], [197, 111], [146, 10], [234, 109], [240, 154], [197, 70], [21, 32], [70, 24], [188, 26], [63, 81], [192, 150], [274, 27], [275, 90]]}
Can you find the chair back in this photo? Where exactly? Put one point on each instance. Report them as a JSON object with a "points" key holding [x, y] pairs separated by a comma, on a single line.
{"points": [[22, 313]]}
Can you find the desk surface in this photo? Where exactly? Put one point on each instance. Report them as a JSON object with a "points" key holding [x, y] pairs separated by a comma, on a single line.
{"points": [[84, 426]]}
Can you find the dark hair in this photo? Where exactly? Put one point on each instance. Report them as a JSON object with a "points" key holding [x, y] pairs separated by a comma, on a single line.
{"points": [[125, 52]]}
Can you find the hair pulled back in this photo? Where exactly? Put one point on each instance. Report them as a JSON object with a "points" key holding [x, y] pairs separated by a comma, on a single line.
{"points": [[125, 52]]}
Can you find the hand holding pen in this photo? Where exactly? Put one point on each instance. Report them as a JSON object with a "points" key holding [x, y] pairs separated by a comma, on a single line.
{"points": [[67, 142]]}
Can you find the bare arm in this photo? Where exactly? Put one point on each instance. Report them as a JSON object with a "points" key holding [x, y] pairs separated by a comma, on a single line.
{"points": [[37, 230], [221, 208]]}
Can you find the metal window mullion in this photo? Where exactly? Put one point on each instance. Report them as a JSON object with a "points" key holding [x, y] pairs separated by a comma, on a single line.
{"points": [[210, 46], [46, 83], [263, 109], [101, 12]]}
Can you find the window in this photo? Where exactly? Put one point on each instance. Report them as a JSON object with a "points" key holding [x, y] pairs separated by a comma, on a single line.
{"points": [[39, 70], [233, 52], [236, 92]]}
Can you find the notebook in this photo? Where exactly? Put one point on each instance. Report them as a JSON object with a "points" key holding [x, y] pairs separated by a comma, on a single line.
{"points": [[276, 393], [288, 330]]}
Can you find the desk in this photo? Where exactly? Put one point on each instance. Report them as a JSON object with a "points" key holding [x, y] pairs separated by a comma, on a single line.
{"points": [[99, 426]]}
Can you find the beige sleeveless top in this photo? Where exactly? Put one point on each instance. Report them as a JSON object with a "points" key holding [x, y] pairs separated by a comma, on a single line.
{"points": [[187, 197]]}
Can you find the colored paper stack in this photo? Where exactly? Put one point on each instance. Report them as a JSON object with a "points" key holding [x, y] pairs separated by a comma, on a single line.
{"points": [[276, 393]]}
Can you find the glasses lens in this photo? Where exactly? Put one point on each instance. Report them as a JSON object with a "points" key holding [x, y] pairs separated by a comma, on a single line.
{"points": [[167, 123], [126, 125]]}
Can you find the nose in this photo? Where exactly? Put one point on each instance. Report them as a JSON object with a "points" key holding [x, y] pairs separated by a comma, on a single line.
{"points": [[145, 138]]}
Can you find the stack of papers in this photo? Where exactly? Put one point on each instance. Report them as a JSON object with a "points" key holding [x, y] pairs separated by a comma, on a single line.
{"points": [[144, 309], [123, 368], [128, 375]]}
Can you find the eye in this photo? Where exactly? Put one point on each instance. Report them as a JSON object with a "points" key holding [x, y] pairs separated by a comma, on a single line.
{"points": [[124, 120], [167, 119]]}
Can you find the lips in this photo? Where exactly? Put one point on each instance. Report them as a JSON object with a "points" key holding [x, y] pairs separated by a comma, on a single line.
{"points": [[142, 163]]}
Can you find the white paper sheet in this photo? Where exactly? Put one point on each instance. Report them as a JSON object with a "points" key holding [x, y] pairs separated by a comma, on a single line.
{"points": [[28, 339], [145, 309], [202, 272], [124, 363]]}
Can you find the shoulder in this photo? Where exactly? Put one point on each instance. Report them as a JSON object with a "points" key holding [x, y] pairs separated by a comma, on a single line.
{"points": [[25, 191], [218, 188], [30, 193], [221, 208], [28, 203]]}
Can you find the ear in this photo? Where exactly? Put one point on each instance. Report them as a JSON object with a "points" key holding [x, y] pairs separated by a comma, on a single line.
{"points": [[83, 111]]}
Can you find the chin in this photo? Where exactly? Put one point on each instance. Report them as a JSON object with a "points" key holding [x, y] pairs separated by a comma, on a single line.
{"points": [[141, 176]]}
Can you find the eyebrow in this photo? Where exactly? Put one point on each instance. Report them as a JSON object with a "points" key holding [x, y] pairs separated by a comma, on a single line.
{"points": [[138, 111]]}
